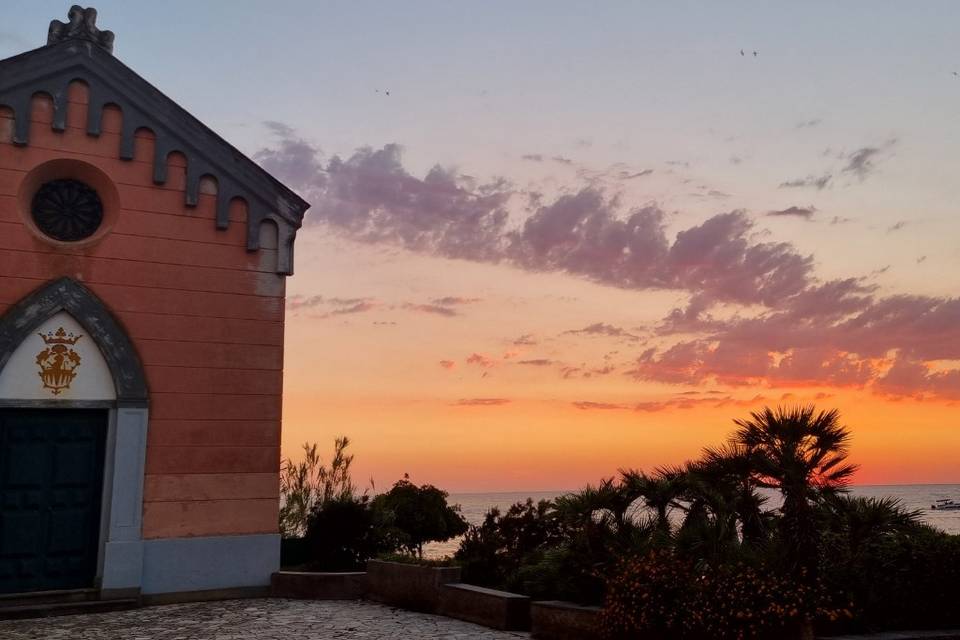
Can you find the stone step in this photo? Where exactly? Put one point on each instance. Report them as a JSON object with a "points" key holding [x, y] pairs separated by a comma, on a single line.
{"points": [[47, 597], [47, 609]]}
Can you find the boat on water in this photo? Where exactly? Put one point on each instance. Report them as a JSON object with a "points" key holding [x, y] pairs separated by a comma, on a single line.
{"points": [[945, 505]]}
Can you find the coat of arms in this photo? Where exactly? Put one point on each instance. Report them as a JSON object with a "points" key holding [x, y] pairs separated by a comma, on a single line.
{"points": [[58, 362]]}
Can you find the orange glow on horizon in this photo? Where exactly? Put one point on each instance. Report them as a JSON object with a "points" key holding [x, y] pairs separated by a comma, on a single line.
{"points": [[551, 445]]}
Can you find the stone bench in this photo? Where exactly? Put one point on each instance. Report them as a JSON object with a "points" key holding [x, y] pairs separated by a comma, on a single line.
{"points": [[409, 586], [488, 607], [558, 620], [305, 585]]}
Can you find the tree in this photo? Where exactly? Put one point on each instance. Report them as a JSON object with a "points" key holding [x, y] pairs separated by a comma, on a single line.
{"points": [[727, 473], [419, 515], [659, 492], [803, 453], [308, 483]]}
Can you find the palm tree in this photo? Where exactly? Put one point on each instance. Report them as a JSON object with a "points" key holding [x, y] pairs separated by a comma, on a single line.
{"points": [[803, 453], [606, 508], [860, 520], [709, 526], [659, 492], [729, 471]]}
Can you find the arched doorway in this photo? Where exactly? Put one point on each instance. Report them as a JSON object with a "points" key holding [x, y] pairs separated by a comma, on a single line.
{"points": [[73, 421]]}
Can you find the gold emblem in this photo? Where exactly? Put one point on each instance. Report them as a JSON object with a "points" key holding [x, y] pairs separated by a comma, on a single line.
{"points": [[58, 362]]}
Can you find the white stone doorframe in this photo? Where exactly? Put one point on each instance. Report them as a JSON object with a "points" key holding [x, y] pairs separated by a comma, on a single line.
{"points": [[120, 555]]}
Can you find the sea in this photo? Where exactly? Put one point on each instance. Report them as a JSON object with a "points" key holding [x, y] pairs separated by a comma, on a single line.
{"points": [[919, 497]]}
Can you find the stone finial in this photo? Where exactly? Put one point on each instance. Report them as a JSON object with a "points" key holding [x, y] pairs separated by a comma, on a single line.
{"points": [[82, 25]]}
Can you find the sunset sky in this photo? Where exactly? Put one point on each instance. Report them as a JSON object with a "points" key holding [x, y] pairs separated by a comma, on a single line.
{"points": [[577, 236]]}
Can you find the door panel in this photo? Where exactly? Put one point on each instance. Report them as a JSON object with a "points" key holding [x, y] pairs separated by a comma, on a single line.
{"points": [[51, 480]]}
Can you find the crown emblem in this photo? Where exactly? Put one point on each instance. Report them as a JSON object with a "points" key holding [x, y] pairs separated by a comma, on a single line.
{"points": [[58, 362], [60, 337]]}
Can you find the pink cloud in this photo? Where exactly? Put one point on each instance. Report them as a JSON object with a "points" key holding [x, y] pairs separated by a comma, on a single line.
{"points": [[430, 308], [481, 402], [788, 327], [481, 360]]}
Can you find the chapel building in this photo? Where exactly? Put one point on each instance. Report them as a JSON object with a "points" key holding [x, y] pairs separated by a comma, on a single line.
{"points": [[143, 262]]}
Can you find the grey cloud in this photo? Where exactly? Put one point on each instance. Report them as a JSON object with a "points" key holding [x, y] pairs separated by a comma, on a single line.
{"points": [[450, 301], [798, 212], [862, 162], [819, 182], [431, 309], [371, 197], [627, 175], [360, 307], [297, 160], [297, 302], [602, 329]]}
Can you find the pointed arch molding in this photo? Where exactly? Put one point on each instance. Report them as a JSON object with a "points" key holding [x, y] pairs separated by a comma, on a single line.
{"points": [[86, 308], [50, 70]]}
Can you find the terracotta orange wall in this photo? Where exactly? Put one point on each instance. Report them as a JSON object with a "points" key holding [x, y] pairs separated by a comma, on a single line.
{"points": [[205, 315]]}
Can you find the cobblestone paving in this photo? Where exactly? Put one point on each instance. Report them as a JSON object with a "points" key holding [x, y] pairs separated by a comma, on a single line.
{"points": [[267, 619]]}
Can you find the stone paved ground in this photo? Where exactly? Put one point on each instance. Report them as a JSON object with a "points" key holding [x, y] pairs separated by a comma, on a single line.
{"points": [[266, 619]]}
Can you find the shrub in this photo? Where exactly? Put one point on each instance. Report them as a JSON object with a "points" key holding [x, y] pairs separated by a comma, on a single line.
{"points": [[342, 534], [905, 580], [663, 595], [561, 572], [308, 483], [491, 552], [646, 595]]}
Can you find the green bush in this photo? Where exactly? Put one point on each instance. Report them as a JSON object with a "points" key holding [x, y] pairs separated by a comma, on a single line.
{"points": [[492, 552], [342, 534], [561, 572], [906, 580], [662, 595]]}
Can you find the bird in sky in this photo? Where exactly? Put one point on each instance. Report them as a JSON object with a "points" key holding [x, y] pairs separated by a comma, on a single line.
{"points": [[754, 54], [741, 52]]}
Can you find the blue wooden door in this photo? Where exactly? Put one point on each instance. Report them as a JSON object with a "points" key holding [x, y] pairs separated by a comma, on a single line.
{"points": [[51, 481]]}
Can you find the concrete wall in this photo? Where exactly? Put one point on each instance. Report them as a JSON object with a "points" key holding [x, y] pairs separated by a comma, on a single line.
{"points": [[205, 315]]}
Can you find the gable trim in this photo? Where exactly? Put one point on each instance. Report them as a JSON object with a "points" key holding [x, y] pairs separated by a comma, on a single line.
{"points": [[50, 70]]}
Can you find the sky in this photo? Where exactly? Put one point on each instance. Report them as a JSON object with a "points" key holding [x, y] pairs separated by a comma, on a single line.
{"points": [[554, 239]]}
